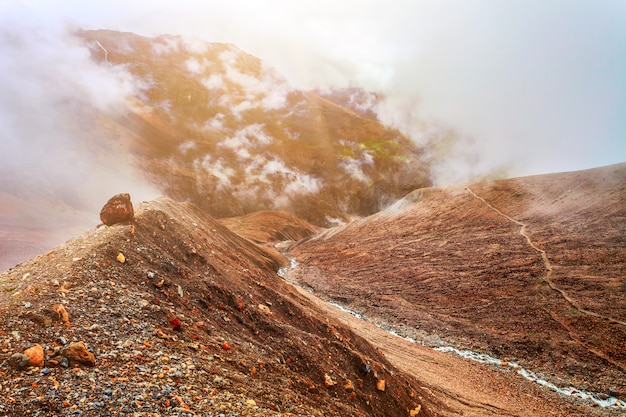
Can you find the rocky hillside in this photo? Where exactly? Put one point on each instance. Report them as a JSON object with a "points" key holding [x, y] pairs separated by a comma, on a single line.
{"points": [[175, 314], [528, 270]]}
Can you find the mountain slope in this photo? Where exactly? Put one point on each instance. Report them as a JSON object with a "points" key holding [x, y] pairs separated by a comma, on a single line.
{"points": [[182, 316], [219, 127], [527, 269], [201, 122]]}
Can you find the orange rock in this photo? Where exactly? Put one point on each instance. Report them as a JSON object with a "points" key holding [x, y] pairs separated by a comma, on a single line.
{"points": [[328, 381], [35, 355], [61, 312], [415, 411], [380, 385], [77, 352]]}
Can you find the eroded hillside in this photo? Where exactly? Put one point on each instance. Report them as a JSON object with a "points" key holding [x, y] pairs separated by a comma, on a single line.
{"points": [[529, 270], [176, 314]]}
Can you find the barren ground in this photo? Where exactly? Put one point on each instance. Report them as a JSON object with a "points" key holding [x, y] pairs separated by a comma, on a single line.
{"points": [[196, 321], [528, 270]]}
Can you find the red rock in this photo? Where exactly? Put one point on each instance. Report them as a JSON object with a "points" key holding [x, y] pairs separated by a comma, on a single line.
{"points": [[176, 325], [77, 352], [35, 355], [118, 209]]}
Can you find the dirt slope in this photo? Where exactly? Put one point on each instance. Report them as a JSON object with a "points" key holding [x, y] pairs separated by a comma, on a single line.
{"points": [[194, 321], [529, 269]]}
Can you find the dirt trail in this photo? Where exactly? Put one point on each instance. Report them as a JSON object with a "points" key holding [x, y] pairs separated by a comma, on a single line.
{"points": [[462, 388], [546, 262]]}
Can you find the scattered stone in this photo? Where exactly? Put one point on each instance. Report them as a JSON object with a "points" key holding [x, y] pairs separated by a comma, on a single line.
{"points": [[160, 334], [250, 403], [265, 309], [35, 355], [18, 361], [61, 312], [59, 361], [118, 209], [380, 385], [415, 411], [349, 385], [328, 381], [121, 258], [77, 352]]}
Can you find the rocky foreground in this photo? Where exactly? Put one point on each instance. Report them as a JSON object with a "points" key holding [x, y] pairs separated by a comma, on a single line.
{"points": [[173, 314]]}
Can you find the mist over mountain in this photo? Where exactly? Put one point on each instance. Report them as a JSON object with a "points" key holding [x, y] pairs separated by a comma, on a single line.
{"points": [[95, 113], [219, 127]]}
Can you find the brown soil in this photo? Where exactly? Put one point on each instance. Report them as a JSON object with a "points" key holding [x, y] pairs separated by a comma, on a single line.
{"points": [[194, 321], [530, 269]]}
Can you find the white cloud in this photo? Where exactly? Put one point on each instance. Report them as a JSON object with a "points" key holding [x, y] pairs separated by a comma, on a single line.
{"points": [[213, 82], [51, 92], [209, 172], [193, 66], [535, 83]]}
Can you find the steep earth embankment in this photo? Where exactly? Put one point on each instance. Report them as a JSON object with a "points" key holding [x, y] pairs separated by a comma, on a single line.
{"points": [[528, 270]]}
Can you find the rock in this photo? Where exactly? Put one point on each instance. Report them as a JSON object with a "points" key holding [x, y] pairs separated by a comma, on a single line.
{"points": [[77, 352], [415, 411], [265, 309], [380, 385], [349, 386], [119, 209], [18, 361], [61, 312], [328, 381], [35, 355], [121, 258]]}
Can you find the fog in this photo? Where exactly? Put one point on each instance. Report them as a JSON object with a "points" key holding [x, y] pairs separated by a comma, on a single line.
{"points": [[49, 153], [516, 87]]}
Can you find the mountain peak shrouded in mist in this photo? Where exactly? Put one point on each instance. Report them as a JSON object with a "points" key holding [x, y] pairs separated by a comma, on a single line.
{"points": [[100, 112], [219, 127]]}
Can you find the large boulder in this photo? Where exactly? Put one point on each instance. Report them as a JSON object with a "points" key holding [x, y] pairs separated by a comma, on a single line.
{"points": [[119, 209]]}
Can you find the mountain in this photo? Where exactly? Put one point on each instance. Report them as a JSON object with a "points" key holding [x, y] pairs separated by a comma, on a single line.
{"points": [[206, 123], [529, 270], [175, 313], [221, 128]]}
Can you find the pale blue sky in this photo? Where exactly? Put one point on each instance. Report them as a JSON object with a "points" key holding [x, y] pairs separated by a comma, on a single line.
{"points": [[540, 84]]}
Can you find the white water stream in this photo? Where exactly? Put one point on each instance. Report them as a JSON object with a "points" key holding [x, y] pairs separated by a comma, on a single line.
{"points": [[599, 399]]}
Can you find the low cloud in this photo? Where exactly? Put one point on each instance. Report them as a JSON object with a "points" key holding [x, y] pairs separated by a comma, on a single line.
{"points": [[51, 95]]}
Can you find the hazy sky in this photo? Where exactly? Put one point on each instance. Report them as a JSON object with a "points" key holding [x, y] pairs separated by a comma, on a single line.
{"points": [[537, 83]]}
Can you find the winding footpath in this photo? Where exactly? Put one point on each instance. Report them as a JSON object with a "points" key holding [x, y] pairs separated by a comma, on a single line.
{"points": [[546, 261]]}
